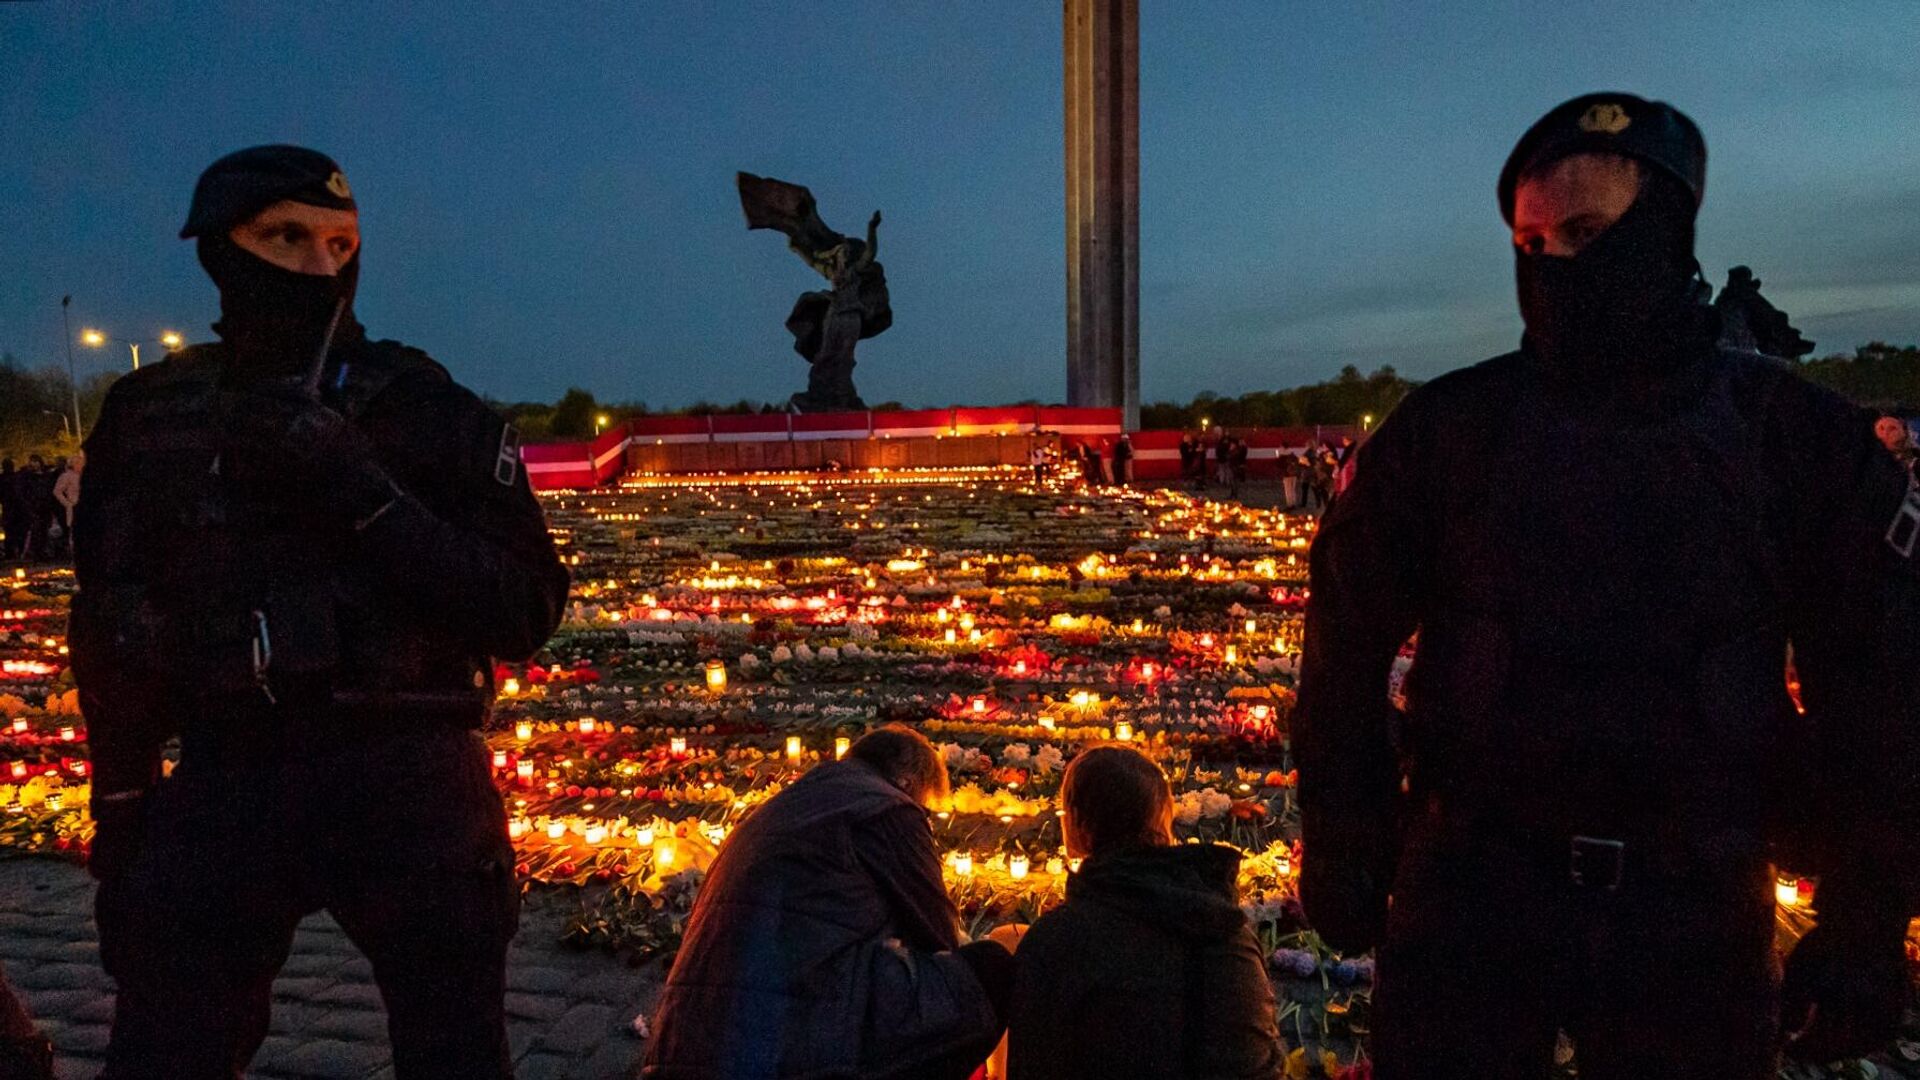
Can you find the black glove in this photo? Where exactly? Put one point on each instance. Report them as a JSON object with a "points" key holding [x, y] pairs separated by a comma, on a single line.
{"points": [[277, 441], [1844, 992], [1345, 893], [119, 826]]}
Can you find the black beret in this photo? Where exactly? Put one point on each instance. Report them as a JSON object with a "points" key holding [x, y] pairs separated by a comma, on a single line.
{"points": [[1650, 131], [248, 181]]}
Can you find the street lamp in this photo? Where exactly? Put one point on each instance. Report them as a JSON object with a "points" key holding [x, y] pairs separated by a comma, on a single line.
{"points": [[1366, 422], [599, 422], [168, 339]]}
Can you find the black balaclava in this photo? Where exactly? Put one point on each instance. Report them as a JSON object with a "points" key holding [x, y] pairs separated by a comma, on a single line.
{"points": [[1626, 303], [275, 319]]}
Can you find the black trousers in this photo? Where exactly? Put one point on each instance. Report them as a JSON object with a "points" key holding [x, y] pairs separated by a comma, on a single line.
{"points": [[401, 837], [1491, 952]]}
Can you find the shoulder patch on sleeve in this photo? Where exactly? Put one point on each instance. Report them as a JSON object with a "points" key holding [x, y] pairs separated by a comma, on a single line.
{"points": [[1904, 533], [506, 467]]}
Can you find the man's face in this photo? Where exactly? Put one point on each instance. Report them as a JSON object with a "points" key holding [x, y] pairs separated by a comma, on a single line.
{"points": [[1560, 209], [1892, 432], [301, 238]]}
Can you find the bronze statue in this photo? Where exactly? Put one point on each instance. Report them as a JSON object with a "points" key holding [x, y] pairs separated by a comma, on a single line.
{"points": [[1748, 321], [825, 325]]}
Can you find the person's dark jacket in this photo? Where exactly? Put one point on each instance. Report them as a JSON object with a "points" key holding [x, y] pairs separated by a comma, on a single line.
{"points": [[1604, 602], [396, 621], [1149, 969], [822, 946]]}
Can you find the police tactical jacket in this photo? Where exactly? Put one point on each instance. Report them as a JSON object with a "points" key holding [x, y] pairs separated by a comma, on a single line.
{"points": [[1605, 587], [195, 601]]}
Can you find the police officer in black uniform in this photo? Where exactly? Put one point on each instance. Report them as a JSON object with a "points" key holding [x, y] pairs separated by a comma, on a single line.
{"points": [[301, 551], [1575, 815]]}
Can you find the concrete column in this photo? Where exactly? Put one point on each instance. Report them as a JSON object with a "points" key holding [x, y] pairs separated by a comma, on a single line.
{"points": [[1102, 67]]}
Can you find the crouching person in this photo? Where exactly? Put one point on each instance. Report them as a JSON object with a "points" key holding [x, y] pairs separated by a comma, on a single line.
{"points": [[824, 944], [1150, 968]]}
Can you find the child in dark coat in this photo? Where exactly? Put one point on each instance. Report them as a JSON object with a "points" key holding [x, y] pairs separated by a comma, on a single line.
{"points": [[1150, 968]]}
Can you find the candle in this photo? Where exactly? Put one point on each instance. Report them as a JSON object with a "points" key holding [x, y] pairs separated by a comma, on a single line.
{"points": [[664, 854], [1261, 712], [644, 836], [1232, 655], [518, 828], [963, 864], [19, 769], [973, 635], [979, 704], [1017, 867], [1080, 699], [1139, 627], [66, 733], [1019, 667], [556, 829], [716, 676], [19, 725], [1206, 641], [586, 725], [1047, 722], [523, 772], [499, 759], [56, 799], [1786, 890], [1056, 865], [523, 730], [1123, 731], [1146, 672], [677, 746], [596, 834], [793, 748], [840, 747], [510, 687], [952, 635], [1073, 865], [1251, 625]]}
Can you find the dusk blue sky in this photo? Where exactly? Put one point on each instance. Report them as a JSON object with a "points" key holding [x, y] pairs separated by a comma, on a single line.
{"points": [[547, 193]]}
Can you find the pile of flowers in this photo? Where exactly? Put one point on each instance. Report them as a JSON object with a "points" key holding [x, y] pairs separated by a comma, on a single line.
{"points": [[722, 638]]}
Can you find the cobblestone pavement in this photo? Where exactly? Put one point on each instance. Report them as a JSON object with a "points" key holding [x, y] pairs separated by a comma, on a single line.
{"points": [[569, 1013]]}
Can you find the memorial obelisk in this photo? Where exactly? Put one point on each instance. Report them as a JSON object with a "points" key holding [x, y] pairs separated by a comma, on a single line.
{"points": [[1102, 54]]}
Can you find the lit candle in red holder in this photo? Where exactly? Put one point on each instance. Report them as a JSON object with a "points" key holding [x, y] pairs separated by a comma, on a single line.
{"points": [[67, 734], [499, 759], [18, 770], [523, 771]]}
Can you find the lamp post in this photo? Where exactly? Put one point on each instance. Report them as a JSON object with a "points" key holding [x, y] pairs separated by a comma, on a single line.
{"points": [[95, 339], [599, 424], [73, 381]]}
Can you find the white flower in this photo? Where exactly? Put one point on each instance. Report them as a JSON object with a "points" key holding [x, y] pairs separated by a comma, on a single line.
{"points": [[1214, 804], [953, 754], [782, 654], [829, 655], [748, 662], [1015, 754], [1186, 810], [802, 652], [1048, 759], [1163, 612]]}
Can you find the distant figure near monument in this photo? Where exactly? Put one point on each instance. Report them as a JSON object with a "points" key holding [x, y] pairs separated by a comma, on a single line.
{"points": [[1748, 321], [826, 325]]}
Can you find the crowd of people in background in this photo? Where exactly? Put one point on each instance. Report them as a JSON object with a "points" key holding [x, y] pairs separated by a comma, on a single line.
{"points": [[1309, 476], [36, 508]]}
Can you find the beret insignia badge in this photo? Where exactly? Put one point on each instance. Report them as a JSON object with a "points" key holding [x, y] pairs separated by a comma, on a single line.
{"points": [[337, 183], [1606, 118]]}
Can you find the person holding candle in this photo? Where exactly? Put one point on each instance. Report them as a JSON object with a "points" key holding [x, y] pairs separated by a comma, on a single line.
{"points": [[1150, 968], [303, 552], [1606, 542], [824, 943]]}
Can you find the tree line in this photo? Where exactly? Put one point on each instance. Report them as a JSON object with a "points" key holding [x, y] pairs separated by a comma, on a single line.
{"points": [[36, 404]]}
